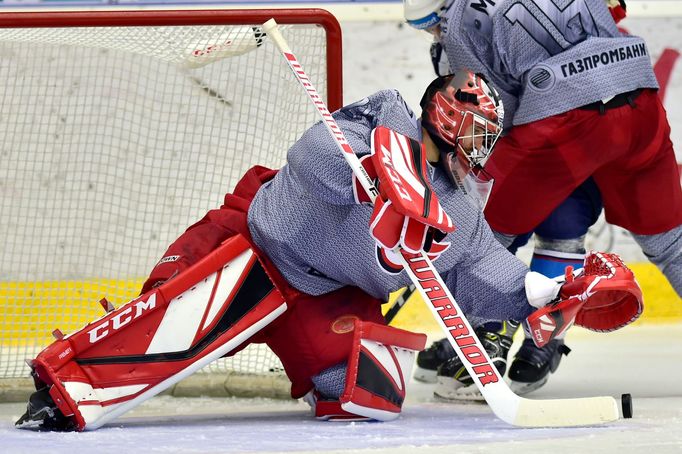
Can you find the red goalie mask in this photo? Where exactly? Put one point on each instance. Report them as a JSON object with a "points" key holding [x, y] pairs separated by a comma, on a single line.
{"points": [[463, 111], [464, 115]]}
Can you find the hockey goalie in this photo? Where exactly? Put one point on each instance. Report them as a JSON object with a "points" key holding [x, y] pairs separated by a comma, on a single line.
{"points": [[301, 260]]}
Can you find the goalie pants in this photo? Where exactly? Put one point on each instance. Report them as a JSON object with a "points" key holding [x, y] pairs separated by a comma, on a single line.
{"points": [[316, 332]]}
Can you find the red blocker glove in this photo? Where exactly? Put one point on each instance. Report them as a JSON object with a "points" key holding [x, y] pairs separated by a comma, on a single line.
{"points": [[407, 213]]}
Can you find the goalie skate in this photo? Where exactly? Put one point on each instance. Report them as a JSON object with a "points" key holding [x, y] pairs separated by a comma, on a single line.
{"points": [[42, 414]]}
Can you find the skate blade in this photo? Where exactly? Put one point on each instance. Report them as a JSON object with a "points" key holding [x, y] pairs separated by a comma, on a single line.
{"points": [[425, 375], [32, 422], [521, 388], [454, 391]]}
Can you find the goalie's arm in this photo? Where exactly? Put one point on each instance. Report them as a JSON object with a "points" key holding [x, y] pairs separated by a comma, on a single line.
{"points": [[325, 174], [314, 160]]}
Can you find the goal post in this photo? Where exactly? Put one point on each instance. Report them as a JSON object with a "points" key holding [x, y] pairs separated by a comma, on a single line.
{"points": [[118, 130]]}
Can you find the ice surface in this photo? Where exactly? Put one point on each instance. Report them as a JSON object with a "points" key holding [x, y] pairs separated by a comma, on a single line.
{"points": [[643, 361]]}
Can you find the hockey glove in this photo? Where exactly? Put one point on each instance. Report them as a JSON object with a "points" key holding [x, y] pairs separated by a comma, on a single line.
{"points": [[605, 297], [407, 213]]}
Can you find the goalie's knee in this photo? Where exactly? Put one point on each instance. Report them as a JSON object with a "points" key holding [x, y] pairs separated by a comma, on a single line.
{"points": [[372, 383]]}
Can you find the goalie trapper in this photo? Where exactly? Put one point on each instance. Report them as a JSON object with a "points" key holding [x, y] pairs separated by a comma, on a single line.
{"points": [[604, 297]]}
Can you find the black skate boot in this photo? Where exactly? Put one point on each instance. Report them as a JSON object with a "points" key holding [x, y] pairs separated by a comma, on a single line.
{"points": [[42, 414], [428, 360], [532, 365], [453, 380]]}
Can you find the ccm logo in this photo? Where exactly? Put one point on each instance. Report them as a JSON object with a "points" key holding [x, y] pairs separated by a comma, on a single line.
{"points": [[121, 319]]}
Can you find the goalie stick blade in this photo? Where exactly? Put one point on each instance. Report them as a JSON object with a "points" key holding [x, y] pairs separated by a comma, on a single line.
{"points": [[588, 411], [506, 405]]}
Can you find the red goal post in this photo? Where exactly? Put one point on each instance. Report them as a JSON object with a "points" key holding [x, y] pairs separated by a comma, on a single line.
{"points": [[118, 130]]}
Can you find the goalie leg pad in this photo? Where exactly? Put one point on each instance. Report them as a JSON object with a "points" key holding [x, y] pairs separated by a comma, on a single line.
{"points": [[131, 354], [379, 368], [317, 333]]}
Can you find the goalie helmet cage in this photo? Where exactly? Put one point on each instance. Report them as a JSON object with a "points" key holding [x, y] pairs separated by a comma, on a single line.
{"points": [[118, 129]]}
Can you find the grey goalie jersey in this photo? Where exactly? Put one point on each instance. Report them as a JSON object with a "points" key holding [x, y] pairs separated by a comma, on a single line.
{"points": [[545, 57], [306, 220]]}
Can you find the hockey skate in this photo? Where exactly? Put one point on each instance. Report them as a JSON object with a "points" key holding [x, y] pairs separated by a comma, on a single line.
{"points": [[532, 366], [453, 380], [430, 359], [42, 414]]}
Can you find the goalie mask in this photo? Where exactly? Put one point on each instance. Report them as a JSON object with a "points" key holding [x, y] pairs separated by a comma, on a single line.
{"points": [[463, 116]]}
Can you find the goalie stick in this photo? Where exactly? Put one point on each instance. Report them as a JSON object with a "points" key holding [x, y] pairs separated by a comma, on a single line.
{"points": [[506, 405]]}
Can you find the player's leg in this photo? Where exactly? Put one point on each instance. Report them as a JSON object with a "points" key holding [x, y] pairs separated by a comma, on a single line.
{"points": [[118, 361], [185, 317], [439, 362], [536, 167], [604, 297], [339, 354], [496, 282], [453, 382], [559, 242], [642, 192], [665, 251], [440, 351]]}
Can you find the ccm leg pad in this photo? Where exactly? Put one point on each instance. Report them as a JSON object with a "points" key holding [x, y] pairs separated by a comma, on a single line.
{"points": [[136, 351]]}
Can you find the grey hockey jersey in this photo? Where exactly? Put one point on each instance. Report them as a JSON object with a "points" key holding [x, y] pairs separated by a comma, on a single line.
{"points": [[545, 57], [306, 220]]}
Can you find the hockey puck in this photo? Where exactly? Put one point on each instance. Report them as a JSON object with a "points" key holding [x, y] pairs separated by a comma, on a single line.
{"points": [[626, 401]]}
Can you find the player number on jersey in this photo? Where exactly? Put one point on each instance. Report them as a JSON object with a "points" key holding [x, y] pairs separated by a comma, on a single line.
{"points": [[554, 27]]}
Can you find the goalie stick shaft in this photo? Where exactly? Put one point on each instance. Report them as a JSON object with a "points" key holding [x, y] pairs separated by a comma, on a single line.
{"points": [[504, 403]]}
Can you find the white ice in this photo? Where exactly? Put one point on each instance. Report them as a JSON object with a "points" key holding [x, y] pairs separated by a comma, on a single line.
{"points": [[641, 360]]}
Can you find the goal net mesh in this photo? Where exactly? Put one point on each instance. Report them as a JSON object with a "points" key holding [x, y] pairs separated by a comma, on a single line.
{"points": [[113, 140]]}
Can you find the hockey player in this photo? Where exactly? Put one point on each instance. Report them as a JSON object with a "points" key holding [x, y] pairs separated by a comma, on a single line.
{"points": [[572, 87], [559, 242], [301, 271]]}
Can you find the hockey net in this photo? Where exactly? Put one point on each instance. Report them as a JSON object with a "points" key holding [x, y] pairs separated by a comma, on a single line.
{"points": [[118, 131]]}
